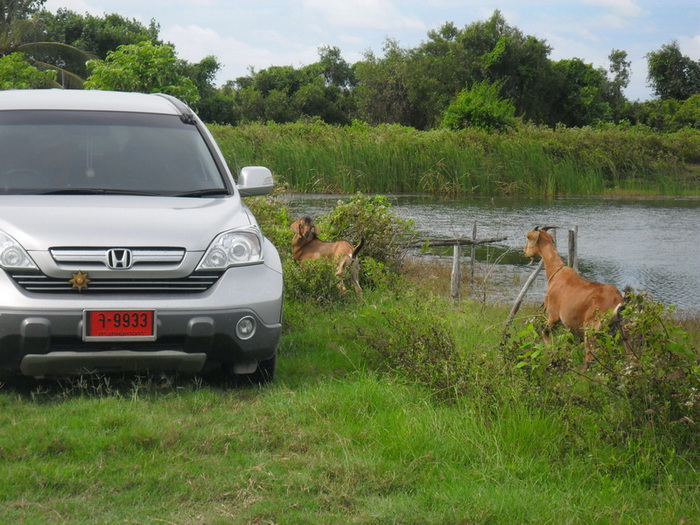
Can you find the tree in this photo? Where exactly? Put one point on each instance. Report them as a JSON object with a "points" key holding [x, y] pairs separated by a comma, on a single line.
{"points": [[17, 73], [18, 32], [95, 35], [284, 93], [520, 62], [620, 69], [671, 74], [142, 67], [480, 107], [414, 86], [392, 90], [579, 97], [688, 114]]}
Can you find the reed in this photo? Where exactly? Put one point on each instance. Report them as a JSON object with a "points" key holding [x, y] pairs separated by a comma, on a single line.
{"points": [[313, 157]]}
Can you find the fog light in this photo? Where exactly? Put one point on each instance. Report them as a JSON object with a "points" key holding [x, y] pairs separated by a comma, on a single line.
{"points": [[245, 329]]}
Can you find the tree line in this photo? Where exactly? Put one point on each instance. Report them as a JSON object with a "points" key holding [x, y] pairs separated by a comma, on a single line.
{"points": [[487, 74]]}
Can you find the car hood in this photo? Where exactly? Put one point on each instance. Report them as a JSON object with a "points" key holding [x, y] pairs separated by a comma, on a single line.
{"points": [[40, 222]]}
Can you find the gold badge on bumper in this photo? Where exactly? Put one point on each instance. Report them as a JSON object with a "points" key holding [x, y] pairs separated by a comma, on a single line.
{"points": [[80, 281]]}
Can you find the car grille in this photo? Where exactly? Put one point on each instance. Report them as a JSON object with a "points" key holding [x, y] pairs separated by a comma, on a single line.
{"points": [[39, 283]]}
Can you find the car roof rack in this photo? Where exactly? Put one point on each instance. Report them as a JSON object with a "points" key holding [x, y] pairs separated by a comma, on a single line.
{"points": [[186, 114]]}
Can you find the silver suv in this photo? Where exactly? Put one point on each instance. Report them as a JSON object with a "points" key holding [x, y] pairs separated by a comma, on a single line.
{"points": [[124, 242]]}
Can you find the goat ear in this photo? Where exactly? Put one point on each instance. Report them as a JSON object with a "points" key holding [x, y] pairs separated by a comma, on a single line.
{"points": [[532, 237], [295, 227]]}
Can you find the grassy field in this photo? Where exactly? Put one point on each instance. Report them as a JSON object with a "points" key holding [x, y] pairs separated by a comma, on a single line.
{"points": [[397, 407], [341, 436], [317, 158]]}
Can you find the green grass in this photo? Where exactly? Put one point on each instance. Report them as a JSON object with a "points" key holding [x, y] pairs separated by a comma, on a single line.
{"points": [[337, 438], [318, 158]]}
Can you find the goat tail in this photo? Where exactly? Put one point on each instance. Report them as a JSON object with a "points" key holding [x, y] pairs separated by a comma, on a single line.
{"points": [[357, 249]]}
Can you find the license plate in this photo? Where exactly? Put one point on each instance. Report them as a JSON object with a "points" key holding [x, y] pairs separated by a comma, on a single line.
{"points": [[119, 325]]}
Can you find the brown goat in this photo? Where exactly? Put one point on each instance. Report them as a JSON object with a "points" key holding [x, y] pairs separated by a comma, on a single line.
{"points": [[306, 245], [577, 302]]}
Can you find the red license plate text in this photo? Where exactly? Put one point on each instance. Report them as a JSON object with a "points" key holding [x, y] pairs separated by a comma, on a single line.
{"points": [[120, 323]]}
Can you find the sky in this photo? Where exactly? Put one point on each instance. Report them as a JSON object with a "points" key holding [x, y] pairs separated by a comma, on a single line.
{"points": [[244, 34]]}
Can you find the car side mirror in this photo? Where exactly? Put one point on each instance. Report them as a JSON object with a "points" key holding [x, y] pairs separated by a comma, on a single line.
{"points": [[255, 180]]}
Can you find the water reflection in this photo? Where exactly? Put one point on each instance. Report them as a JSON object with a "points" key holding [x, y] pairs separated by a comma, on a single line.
{"points": [[650, 244]]}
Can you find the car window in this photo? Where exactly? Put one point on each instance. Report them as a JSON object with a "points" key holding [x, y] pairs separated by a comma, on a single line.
{"points": [[60, 150]]}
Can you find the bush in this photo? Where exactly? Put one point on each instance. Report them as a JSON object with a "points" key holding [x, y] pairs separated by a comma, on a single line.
{"points": [[416, 343], [274, 220], [314, 281], [645, 377], [650, 363], [370, 218], [480, 107]]}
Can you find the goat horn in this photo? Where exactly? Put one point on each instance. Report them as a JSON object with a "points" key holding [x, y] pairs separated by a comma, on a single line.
{"points": [[545, 228]]}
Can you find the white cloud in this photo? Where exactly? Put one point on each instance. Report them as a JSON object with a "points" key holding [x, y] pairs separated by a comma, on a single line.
{"points": [[364, 14], [78, 6], [621, 8], [235, 56], [690, 46]]}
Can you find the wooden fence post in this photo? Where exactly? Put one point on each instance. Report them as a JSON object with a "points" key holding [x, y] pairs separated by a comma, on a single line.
{"points": [[456, 277], [521, 295], [573, 248], [471, 275]]}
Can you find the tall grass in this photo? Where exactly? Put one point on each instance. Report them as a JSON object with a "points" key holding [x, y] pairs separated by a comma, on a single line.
{"points": [[317, 158]]}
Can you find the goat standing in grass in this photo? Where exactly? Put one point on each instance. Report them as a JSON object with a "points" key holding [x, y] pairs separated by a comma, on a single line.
{"points": [[577, 302]]}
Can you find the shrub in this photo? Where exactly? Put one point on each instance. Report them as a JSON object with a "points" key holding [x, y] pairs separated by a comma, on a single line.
{"points": [[415, 342], [274, 220], [650, 363], [314, 281], [480, 107], [645, 377], [370, 218]]}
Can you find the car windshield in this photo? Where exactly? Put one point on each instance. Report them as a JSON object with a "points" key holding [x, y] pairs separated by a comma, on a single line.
{"points": [[86, 152]]}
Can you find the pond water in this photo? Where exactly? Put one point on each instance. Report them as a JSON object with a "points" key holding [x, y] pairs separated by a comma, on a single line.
{"points": [[650, 244]]}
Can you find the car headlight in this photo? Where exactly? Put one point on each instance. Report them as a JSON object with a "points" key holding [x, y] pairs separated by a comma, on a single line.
{"points": [[13, 256], [233, 248]]}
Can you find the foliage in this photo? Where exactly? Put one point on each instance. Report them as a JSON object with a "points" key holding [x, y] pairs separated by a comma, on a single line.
{"points": [[286, 94], [688, 114], [413, 87], [370, 218], [581, 97], [644, 378], [650, 363], [415, 341], [20, 32], [480, 107], [673, 75], [142, 67], [274, 220], [314, 281], [394, 89], [17, 73], [317, 158], [93, 34]]}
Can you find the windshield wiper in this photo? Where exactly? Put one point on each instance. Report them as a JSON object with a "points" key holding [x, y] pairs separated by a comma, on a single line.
{"points": [[97, 191], [202, 193]]}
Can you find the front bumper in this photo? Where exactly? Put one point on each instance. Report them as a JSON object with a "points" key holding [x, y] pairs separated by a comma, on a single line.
{"points": [[42, 334]]}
